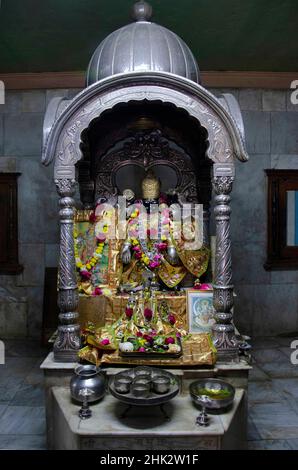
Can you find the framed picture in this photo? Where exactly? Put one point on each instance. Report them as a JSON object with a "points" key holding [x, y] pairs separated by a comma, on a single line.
{"points": [[200, 311]]}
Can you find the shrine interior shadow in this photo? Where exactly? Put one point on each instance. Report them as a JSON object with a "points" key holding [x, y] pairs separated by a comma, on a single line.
{"points": [[124, 142]]}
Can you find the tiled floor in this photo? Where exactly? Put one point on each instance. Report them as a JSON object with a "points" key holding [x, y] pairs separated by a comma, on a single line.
{"points": [[272, 396], [273, 393], [22, 415]]}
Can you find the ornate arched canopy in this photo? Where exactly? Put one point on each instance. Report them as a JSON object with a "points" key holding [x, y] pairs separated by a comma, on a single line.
{"points": [[144, 63], [225, 134]]}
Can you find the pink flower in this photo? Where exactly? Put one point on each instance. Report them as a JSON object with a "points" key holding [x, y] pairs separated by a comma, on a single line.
{"points": [[152, 233], [170, 340], [142, 349], [85, 275], [157, 257], [148, 338], [138, 255], [92, 217], [128, 312], [166, 221], [97, 291], [139, 334], [161, 246], [178, 335], [105, 342], [148, 313], [172, 319], [101, 238], [133, 232], [153, 264], [136, 248], [205, 287]]}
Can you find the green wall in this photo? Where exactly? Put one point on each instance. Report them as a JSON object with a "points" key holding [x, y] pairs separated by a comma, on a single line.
{"points": [[60, 35]]}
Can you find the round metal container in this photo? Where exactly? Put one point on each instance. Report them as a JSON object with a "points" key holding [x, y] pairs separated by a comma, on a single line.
{"points": [[87, 376]]}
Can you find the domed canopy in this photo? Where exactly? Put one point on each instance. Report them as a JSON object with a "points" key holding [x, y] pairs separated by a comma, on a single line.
{"points": [[142, 46]]}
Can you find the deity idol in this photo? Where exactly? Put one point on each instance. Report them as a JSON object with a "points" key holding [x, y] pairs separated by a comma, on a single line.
{"points": [[153, 252]]}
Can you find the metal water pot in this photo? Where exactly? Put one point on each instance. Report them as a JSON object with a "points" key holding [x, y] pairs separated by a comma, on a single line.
{"points": [[87, 377]]}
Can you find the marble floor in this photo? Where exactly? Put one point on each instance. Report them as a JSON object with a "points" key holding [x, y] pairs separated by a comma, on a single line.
{"points": [[273, 394]]}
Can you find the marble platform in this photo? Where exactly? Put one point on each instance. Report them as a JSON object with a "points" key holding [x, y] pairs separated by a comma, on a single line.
{"points": [[57, 376], [145, 428], [272, 397]]}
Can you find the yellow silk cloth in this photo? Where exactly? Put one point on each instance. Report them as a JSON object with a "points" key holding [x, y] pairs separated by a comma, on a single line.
{"points": [[195, 261], [103, 310], [171, 275], [197, 350]]}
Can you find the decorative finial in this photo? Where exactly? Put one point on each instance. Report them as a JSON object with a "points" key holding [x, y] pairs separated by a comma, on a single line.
{"points": [[141, 11]]}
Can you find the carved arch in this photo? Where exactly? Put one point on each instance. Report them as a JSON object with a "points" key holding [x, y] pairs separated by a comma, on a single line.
{"points": [[63, 144], [145, 150]]}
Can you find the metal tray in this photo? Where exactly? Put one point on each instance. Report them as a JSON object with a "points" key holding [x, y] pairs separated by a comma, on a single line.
{"points": [[153, 355], [153, 399]]}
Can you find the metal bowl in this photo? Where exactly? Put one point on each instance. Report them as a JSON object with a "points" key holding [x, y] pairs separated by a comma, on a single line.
{"points": [[200, 388]]}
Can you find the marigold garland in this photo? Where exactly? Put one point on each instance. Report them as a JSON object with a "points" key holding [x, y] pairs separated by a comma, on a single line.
{"points": [[86, 268]]}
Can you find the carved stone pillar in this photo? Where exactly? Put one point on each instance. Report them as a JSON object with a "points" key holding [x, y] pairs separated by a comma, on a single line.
{"points": [[223, 331], [67, 343]]}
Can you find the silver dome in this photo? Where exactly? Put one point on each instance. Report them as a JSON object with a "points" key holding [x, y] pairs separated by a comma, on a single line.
{"points": [[142, 46]]}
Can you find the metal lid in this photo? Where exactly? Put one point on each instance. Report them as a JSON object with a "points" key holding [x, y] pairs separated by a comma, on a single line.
{"points": [[142, 46]]}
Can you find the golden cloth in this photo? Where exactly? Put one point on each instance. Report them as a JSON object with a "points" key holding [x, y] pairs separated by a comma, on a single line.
{"points": [[110, 272], [94, 309], [103, 310], [197, 350]]}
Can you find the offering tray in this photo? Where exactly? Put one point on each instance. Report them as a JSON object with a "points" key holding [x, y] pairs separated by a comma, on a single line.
{"points": [[154, 355], [153, 399]]}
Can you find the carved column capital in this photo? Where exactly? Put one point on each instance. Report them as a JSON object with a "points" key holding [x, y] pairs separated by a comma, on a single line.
{"points": [[222, 184], [65, 187]]}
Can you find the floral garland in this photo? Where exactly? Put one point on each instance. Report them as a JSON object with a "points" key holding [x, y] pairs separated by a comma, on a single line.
{"points": [[85, 269], [151, 259]]}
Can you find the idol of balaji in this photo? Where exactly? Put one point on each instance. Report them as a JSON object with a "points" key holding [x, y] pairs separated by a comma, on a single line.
{"points": [[156, 252]]}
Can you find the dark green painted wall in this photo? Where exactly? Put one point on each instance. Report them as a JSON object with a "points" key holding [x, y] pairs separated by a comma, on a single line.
{"points": [[60, 35]]}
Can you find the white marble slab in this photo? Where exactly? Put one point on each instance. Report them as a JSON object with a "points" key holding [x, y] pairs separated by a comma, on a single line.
{"points": [[106, 421], [50, 364]]}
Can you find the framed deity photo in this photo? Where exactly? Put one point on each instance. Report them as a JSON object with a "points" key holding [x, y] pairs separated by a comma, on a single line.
{"points": [[200, 311]]}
